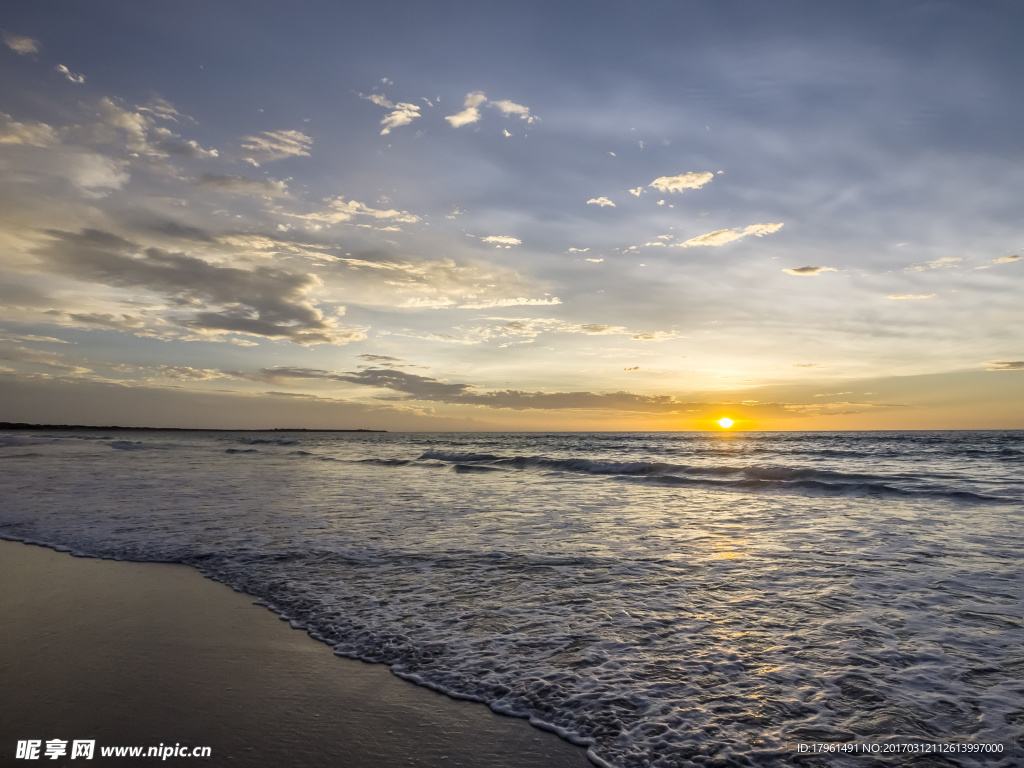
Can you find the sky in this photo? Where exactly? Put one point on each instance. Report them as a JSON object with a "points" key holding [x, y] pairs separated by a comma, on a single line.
{"points": [[522, 216]]}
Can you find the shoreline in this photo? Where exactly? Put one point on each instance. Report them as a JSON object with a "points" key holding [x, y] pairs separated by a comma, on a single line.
{"points": [[131, 653], [20, 426]]}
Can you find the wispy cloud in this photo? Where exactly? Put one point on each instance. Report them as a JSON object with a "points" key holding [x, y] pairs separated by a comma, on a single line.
{"points": [[276, 145], [722, 236], [511, 108], [143, 136], [681, 182], [516, 302], [601, 201], [471, 113], [437, 284], [72, 76], [54, 360], [656, 336], [187, 373], [161, 108], [21, 44], [501, 240], [240, 185], [1006, 259], [912, 296], [411, 386], [1005, 365], [379, 99], [944, 263], [339, 210], [808, 271], [33, 134], [402, 113]]}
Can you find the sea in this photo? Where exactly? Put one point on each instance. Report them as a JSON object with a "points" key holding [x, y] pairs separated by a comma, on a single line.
{"points": [[666, 599]]}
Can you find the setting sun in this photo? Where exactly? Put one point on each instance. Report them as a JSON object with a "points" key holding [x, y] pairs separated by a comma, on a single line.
{"points": [[725, 422]]}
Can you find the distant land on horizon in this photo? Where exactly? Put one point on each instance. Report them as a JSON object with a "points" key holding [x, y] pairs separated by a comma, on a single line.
{"points": [[69, 427]]}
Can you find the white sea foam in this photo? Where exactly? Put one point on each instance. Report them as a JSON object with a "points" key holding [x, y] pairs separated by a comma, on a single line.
{"points": [[664, 599]]}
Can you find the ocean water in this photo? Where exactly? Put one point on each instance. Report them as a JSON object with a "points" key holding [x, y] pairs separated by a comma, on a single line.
{"points": [[668, 599]]}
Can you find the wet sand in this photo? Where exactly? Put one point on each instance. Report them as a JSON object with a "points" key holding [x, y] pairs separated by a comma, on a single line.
{"points": [[142, 654]]}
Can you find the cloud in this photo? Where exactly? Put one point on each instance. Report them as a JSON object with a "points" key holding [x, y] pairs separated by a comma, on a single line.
{"points": [[511, 108], [185, 148], [403, 114], [74, 78], [595, 261], [142, 134], [722, 236], [124, 322], [516, 302], [338, 210], [656, 336], [164, 110], [96, 175], [32, 337], [601, 201], [679, 183], [276, 145], [380, 279], [240, 185], [637, 191], [31, 134], [187, 373], [263, 301], [411, 386], [382, 359], [132, 124], [470, 114], [912, 296], [501, 240], [530, 328], [944, 263], [1006, 259], [379, 99], [21, 44], [19, 354], [808, 271], [40, 177], [1005, 365]]}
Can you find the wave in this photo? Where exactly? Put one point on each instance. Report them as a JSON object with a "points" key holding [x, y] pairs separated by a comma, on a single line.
{"points": [[138, 445], [723, 477], [387, 462]]}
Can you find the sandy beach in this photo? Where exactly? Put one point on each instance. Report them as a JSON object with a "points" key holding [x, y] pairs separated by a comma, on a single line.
{"points": [[131, 654]]}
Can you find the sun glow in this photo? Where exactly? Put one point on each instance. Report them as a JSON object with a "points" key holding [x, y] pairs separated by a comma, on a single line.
{"points": [[725, 422]]}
